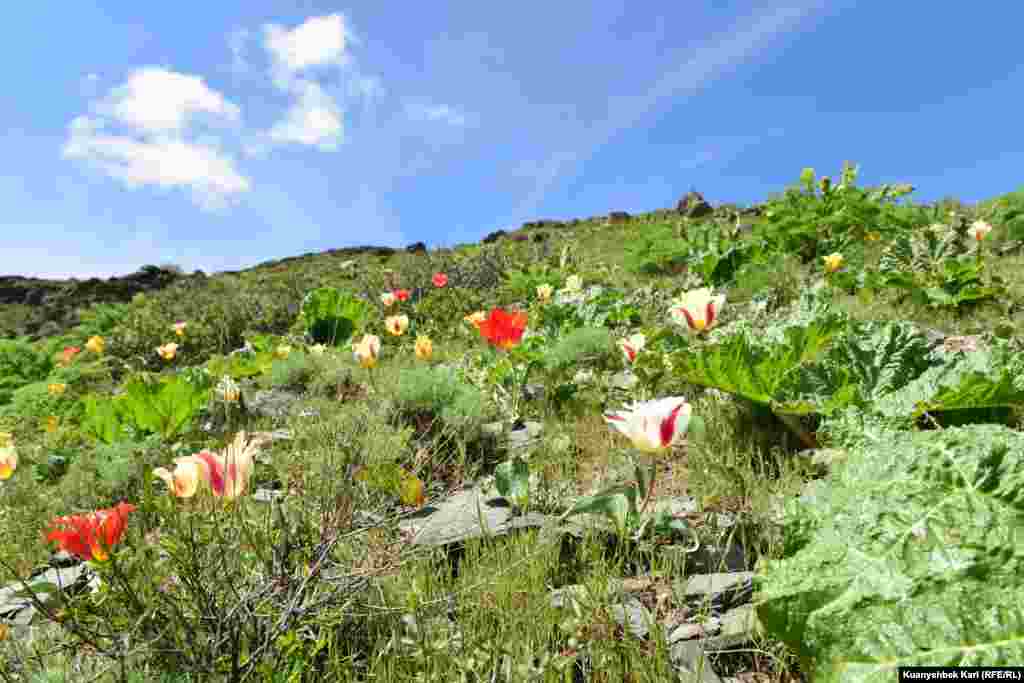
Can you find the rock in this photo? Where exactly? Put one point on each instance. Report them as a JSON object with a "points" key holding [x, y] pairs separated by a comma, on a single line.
{"points": [[616, 217], [692, 663], [693, 205], [540, 237], [416, 248], [458, 519], [494, 236]]}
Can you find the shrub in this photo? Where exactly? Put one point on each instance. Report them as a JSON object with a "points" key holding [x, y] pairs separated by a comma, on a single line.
{"points": [[439, 391], [582, 344]]}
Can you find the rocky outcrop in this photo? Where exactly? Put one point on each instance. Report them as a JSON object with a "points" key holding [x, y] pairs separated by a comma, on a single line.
{"points": [[693, 205], [618, 217]]}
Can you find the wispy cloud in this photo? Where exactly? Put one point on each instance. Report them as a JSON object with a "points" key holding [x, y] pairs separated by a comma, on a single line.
{"points": [[717, 55], [162, 138], [422, 111], [314, 119]]}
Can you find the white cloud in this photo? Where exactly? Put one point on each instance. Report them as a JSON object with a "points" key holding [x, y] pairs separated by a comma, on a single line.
{"points": [[314, 119], [155, 100], [419, 111], [156, 111], [317, 42]]}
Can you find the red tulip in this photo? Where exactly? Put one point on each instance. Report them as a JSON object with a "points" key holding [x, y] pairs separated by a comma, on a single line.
{"points": [[503, 330], [440, 279], [402, 294], [91, 536]]}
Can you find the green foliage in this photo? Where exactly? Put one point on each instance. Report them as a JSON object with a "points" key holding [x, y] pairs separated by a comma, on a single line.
{"points": [[584, 344], [658, 249], [932, 270], [521, 284], [908, 554], [332, 317], [442, 312], [294, 372], [439, 390], [32, 402], [101, 319], [21, 363], [164, 406], [512, 479]]}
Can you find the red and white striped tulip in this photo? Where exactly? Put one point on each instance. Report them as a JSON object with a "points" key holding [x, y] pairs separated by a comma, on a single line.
{"points": [[653, 426], [697, 309]]}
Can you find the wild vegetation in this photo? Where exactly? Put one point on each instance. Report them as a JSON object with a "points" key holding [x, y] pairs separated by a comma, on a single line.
{"points": [[129, 441]]}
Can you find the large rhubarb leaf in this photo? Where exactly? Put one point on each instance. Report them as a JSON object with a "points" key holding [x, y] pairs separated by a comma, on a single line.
{"points": [[987, 378], [871, 360], [911, 554], [753, 364]]}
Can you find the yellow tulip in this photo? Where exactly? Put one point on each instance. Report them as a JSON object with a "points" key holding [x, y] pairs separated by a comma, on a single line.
{"points": [[95, 344], [8, 462], [282, 351], [179, 328], [167, 351], [57, 389], [367, 351], [397, 324], [51, 423], [183, 482], [833, 262], [424, 348]]}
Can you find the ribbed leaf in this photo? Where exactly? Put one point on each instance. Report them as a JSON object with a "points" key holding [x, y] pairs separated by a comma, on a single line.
{"points": [[914, 555]]}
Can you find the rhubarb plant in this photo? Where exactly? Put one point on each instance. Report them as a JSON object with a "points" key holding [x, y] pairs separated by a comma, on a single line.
{"points": [[909, 554]]}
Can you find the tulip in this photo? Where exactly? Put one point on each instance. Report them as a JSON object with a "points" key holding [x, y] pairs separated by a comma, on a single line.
{"points": [[654, 426], [397, 324], [167, 351], [439, 279], [503, 330], [228, 473], [69, 353], [475, 318], [573, 284], [980, 229], [179, 328], [388, 299], [57, 389], [184, 481], [544, 292], [833, 262], [95, 344], [92, 536], [228, 389], [282, 351], [872, 236], [367, 351], [424, 348], [402, 294], [51, 423], [633, 345], [697, 309], [8, 461]]}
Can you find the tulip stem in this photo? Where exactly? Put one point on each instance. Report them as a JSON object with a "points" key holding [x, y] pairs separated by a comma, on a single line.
{"points": [[650, 486]]}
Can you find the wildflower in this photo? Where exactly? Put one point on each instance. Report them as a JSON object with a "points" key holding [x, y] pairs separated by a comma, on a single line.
{"points": [[228, 389], [228, 473], [872, 236], [833, 262], [282, 351], [91, 536], [8, 461], [424, 348], [51, 424], [69, 353], [544, 292], [95, 344], [179, 328], [475, 318], [183, 482], [56, 389], [167, 351], [388, 299], [402, 294], [697, 309], [439, 279], [654, 426], [632, 346], [503, 330], [396, 324], [980, 229], [367, 351]]}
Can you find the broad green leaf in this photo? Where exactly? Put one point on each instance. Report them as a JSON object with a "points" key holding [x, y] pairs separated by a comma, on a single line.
{"points": [[512, 479]]}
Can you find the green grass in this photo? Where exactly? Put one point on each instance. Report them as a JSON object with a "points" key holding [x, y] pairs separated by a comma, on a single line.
{"points": [[743, 465]]}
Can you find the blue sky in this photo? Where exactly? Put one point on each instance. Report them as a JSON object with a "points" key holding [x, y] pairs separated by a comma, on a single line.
{"points": [[218, 135]]}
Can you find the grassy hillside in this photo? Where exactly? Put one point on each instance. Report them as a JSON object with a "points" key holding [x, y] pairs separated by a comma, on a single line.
{"points": [[321, 585]]}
